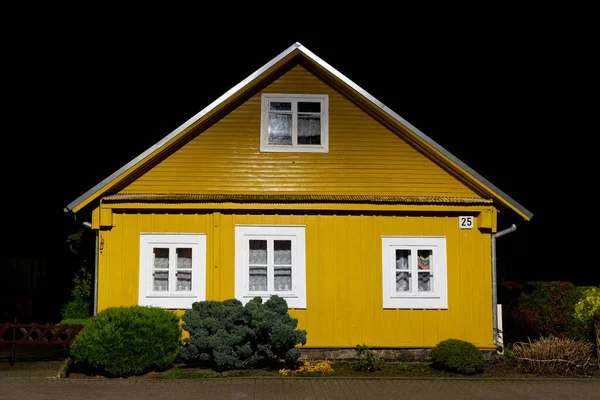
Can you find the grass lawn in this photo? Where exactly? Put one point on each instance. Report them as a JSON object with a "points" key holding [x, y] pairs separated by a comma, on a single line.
{"points": [[494, 368]]}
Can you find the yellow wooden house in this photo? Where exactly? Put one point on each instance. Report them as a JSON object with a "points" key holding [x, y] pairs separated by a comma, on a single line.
{"points": [[297, 182]]}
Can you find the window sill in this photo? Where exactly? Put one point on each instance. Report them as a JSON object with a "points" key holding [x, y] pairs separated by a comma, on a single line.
{"points": [[292, 149]]}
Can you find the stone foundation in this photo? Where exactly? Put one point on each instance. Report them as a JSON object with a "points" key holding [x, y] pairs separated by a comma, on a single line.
{"points": [[404, 355]]}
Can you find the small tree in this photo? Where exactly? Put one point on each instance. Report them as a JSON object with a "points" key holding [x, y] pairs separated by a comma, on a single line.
{"points": [[587, 310]]}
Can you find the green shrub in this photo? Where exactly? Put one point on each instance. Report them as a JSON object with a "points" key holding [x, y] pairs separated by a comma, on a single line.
{"points": [[458, 356], [229, 335], [587, 311], [546, 308], [75, 321], [78, 308], [125, 341], [555, 355], [366, 359], [82, 283]]}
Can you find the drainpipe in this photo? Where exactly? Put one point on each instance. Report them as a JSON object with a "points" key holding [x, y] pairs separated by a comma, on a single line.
{"points": [[494, 290], [95, 306]]}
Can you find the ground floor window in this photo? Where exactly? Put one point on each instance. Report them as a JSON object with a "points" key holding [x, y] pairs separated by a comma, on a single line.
{"points": [[414, 272], [270, 259], [172, 270]]}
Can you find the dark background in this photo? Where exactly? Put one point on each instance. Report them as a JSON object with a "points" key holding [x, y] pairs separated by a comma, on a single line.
{"points": [[506, 92]]}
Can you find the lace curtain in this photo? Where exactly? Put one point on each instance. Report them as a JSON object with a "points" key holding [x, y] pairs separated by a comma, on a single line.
{"points": [[161, 270], [282, 254], [184, 270], [404, 271], [258, 265]]}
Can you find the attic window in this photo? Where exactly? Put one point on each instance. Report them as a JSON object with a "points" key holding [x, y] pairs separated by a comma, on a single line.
{"points": [[294, 123]]}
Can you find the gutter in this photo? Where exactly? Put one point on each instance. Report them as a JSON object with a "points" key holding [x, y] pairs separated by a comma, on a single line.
{"points": [[494, 288]]}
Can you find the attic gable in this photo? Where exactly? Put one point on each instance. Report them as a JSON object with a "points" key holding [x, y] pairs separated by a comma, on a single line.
{"points": [[365, 158], [294, 56]]}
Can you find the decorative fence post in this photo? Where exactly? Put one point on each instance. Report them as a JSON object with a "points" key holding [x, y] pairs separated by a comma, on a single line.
{"points": [[13, 347]]}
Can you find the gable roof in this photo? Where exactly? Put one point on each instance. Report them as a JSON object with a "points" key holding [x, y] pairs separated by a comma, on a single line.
{"points": [[294, 54]]}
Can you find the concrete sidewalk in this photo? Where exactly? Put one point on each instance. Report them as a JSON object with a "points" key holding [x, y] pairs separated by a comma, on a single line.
{"points": [[27, 379], [297, 388]]}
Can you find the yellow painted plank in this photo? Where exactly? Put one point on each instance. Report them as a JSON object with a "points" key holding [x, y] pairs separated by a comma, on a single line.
{"points": [[314, 277], [466, 282], [355, 294], [388, 318], [341, 280], [326, 332], [370, 290]]}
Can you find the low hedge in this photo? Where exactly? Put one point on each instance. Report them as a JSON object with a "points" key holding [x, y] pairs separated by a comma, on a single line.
{"points": [[125, 341]]}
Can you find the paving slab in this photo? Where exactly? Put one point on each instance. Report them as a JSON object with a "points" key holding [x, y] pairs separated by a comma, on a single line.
{"points": [[34, 377]]}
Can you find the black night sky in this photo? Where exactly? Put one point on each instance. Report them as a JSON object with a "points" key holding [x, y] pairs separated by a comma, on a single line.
{"points": [[507, 95]]}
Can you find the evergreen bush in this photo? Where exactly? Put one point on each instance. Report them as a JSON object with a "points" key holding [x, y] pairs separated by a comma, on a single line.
{"points": [[547, 309], [125, 341], [457, 356], [78, 308], [229, 335]]}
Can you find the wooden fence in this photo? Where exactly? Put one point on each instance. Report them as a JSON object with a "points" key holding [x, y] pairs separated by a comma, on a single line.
{"points": [[14, 334]]}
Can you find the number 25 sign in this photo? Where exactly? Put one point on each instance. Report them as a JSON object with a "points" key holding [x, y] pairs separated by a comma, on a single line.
{"points": [[466, 222]]}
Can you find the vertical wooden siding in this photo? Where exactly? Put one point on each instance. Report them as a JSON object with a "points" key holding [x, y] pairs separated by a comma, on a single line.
{"points": [[364, 157], [344, 289]]}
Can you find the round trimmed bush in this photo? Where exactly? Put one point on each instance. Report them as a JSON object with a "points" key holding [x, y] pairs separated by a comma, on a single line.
{"points": [[125, 341], [457, 356]]}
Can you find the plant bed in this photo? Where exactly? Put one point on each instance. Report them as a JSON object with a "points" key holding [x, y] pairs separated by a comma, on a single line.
{"points": [[495, 368]]}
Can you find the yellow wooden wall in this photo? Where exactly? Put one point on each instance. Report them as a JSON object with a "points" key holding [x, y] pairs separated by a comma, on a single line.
{"points": [[344, 289], [365, 158]]}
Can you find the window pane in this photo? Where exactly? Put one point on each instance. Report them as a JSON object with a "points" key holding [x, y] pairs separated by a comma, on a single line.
{"points": [[283, 252], [309, 129], [161, 258], [279, 105], [424, 261], [425, 282], [280, 129], [258, 279], [184, 281], [402, 259], [161, 281], [309, 107], [402, 281], [184, 258], [283, 279], [258, 252]]}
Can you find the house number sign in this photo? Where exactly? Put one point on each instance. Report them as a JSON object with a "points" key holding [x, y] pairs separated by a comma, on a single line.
{"points": [[466, 222]]}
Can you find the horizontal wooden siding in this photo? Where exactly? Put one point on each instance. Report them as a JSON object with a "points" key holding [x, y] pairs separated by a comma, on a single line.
{"points": [[343, 254]]}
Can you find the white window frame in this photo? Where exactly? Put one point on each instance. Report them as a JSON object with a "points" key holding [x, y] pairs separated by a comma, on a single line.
{"points": [[266, 100], [296, 298], [438, 297], [172, 299]]}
